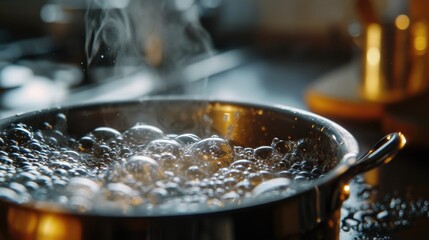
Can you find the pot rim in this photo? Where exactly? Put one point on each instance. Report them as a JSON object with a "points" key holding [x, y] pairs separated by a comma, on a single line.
{"points": [[336, 131]]}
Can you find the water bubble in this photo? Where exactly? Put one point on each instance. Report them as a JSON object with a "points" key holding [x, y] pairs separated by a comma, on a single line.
{"points": [[266, 156], [19, 134], [86, 143], [187, 138], [194, 172], [5, 160], [266, 175], [61, 122], [214, 153], [170, 162], [120, 193], [275, 184], [285, 174], [163, 146], [44, 181], [61, 172], [9, 195], [59, 183], [60, 164], [45, 170], [25, 176], [292, 158], [248, 153], [383, 215], [105, 133], [143, 168], [242, 164], [231, 197], [142, 134], [173, 189], [281, 146], [72, 154], [214, 203], [18, 188], [243, 186], [229, 182], [83, 186], [157, 195], [31, 185], [255, 178], [316, 172], [80, 203], [102, 151]]}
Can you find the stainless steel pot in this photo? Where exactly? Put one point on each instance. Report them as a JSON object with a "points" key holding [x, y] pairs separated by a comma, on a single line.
{"points": [[311, 213]]}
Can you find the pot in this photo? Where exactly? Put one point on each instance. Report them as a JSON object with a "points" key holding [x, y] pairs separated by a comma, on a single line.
{"points": [[312, 212]]}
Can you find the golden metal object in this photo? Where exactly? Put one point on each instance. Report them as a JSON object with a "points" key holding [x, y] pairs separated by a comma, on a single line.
{"points": [[395, 62]]}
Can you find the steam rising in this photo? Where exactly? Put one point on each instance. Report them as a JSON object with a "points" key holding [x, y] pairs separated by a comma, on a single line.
{"points": [[159, 35]]}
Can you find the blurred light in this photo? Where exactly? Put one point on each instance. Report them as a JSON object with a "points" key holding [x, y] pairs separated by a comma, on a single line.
{"points": [[50, 13], [355, 29], [182, 5], [38, 91], [373, 56], [116, 3], [21, 223], [14, 76], [420, 38], [346, 188], [372, 80], [403, 140], [402, 22], [211, 3], [57, 227]]}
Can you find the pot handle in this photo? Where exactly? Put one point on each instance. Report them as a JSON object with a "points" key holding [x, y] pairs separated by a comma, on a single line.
{"points": [[382, 152]]}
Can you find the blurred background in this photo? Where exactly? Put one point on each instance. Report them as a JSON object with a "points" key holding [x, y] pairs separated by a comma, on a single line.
{"points": [[47, 42], [362, 63]]}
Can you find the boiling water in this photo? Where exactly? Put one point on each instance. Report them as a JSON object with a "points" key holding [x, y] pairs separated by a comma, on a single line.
{"points": [[142, 170]]}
